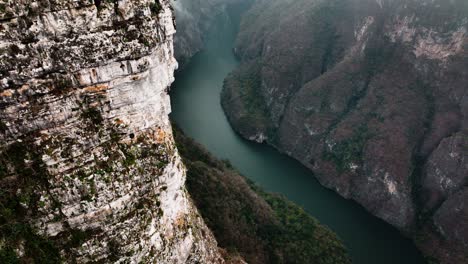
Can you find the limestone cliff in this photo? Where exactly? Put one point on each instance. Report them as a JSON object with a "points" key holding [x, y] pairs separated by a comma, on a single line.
{"points": [[88, 168], [372, 97]]}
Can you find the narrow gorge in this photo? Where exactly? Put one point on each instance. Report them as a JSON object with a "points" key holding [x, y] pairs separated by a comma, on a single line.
{"points": [[117, 145], [367, 239], [89, 170]]}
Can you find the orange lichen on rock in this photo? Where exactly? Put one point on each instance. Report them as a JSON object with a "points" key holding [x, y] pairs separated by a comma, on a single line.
{"points": [[180, 221], [160, 135], [6, 93], [23, 88], [96, 88], [119, 121]]}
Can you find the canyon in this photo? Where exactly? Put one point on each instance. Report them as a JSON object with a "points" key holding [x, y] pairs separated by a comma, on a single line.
{"points": [[367, 239], [89, 168], [369, 95]]}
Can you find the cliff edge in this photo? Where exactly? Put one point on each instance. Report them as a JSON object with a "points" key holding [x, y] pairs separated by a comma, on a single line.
{"points": [[89, 171]]}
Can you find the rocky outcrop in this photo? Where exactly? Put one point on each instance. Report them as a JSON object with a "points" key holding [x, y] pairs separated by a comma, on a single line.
{"points": [[88, 167], [371, 96]]}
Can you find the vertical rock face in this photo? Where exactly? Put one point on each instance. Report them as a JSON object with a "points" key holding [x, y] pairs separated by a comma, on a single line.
{"points": [[88, 167], [372, 97]]}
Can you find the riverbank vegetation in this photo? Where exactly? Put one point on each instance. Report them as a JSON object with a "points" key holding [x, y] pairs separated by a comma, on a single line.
{"points": [[241, 97], [247, 221]]}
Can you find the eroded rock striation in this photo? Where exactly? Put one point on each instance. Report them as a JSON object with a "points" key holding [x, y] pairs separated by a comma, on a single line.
{"points": [[89, 171], [372, 97]]}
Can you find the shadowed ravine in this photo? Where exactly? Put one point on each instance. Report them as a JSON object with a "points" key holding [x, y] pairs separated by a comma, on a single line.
{"points": [[196, 109]]}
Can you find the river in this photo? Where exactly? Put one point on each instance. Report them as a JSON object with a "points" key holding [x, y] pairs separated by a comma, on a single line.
{"points": [[196, 109]]}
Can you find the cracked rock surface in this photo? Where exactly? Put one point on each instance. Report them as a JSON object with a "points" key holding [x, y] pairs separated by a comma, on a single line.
{"points": [[88, 167]]}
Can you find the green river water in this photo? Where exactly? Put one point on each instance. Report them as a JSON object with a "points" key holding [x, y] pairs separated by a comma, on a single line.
{"points": [[197, 110]]}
